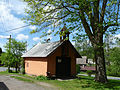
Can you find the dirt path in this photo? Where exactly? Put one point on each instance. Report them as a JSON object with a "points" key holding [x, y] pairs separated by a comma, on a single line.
{"points": [[8, 83]]}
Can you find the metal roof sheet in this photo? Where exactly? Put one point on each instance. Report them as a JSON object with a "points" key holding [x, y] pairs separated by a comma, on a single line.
{"points": [[42, 50]]}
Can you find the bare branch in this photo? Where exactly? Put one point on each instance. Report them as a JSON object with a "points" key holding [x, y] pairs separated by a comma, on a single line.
{"points": [[65, 7], [103, 11], [86, 26], [106, 27]]}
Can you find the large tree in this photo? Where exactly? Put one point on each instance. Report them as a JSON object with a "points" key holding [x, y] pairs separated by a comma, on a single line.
{"points": [[14, 51], [93, 17]]}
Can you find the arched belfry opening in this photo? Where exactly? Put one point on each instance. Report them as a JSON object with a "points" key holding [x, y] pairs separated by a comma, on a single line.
{"points": [[64, 34]]}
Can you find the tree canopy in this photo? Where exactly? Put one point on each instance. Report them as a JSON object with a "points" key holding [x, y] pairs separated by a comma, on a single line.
{"points": [[14, 51], [91, 17]]}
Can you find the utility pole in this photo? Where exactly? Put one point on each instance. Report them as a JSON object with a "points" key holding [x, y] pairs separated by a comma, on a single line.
{"points": [[10, 44], [9, 52]]}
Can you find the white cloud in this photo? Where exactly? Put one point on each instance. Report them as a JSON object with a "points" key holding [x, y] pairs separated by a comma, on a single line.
{"points": [[2, 46], [73, 43], [49, 36], [32, 27], [22, 37], [117, 36], [36, 39], [1, 36], [49, 31], [21, 5], [9, 19]]}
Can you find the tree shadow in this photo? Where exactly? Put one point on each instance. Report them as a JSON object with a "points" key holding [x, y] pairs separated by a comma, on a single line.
{"points": [[111, 84], [3, 86]]}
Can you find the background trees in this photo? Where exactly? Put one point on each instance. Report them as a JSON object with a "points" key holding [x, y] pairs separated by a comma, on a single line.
{"points": [[0, 51], [93, 17], [12, 57], [114, 58]]}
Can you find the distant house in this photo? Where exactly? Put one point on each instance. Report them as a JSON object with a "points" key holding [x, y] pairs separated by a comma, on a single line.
{"points": [[85, 68], [82, 61], [90, 61], [52, 59]]}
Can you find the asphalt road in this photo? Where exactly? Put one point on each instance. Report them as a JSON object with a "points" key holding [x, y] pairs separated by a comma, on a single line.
{"points": [[109, 77], [8, 83]]}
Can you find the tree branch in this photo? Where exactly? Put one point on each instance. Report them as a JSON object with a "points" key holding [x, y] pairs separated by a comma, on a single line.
{"points": [[103, 11], [96, 12], [106, 27], [85, 24]]}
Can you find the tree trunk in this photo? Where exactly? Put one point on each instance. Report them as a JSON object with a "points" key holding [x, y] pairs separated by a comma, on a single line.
{"points": [[9, 69], [100, 61], [16, 69]]}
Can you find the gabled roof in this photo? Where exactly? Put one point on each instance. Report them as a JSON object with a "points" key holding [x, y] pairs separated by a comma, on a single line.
{"points": [[44, 50]]}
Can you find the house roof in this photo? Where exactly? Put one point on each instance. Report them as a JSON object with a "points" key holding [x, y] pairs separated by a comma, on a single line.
{"points": [[87, 68], [42, 50]]}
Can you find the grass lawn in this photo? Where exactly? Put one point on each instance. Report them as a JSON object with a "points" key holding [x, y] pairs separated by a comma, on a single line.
{"points": [[83, 83]]}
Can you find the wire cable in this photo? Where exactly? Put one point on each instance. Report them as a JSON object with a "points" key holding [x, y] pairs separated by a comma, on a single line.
{"points": [[15, 29]]}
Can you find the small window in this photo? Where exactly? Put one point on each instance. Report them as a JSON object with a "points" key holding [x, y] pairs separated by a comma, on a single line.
{"points": [[59, 60], [27, 64]]}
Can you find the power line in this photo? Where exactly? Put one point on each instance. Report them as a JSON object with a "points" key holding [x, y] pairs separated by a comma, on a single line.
{"points": [[3, 23], [15, 29]]}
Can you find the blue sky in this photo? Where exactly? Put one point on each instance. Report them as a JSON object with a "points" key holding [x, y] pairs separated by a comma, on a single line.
{"points": [[11, 12]]}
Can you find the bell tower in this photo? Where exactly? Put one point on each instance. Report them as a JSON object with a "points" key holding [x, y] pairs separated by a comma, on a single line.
{"points": [[64, 33]]}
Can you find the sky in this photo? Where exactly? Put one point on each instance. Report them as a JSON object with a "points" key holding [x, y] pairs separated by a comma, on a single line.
{"points": [[11, 12]]}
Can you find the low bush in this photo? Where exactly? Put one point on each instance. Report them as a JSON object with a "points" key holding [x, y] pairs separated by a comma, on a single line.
{"points": [[41, 78], [78, 68], [89, 72]]}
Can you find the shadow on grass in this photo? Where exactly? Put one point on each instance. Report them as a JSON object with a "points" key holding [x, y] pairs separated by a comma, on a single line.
{"points": [[89, 82], [112, 84], [3, 86]]}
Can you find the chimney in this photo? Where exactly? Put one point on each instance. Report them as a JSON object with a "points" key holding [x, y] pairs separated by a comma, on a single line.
{"points": [[64, 33]]}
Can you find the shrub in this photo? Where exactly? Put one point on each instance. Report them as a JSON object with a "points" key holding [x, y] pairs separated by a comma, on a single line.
{"points": [[10, 71], [89, 72], [41, 77], [78, 68]]}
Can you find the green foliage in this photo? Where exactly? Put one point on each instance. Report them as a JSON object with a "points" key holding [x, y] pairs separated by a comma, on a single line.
{"points": [[0, 51], [91, 17], [55, 12], [89, 72], [78, 68], [41, 78], [114, 59], [84, 47], [12, 57], [6, 59]]}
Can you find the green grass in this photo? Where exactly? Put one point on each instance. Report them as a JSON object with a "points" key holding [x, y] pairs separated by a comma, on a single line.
{"points": [[22, 79], [86, 83], [81, 83]]}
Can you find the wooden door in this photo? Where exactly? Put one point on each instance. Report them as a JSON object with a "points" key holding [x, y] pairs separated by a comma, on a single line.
{"points": [[63, 66]]}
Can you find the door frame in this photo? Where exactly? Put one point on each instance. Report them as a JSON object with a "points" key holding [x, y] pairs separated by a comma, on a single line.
{"points": [[58, 57]]}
